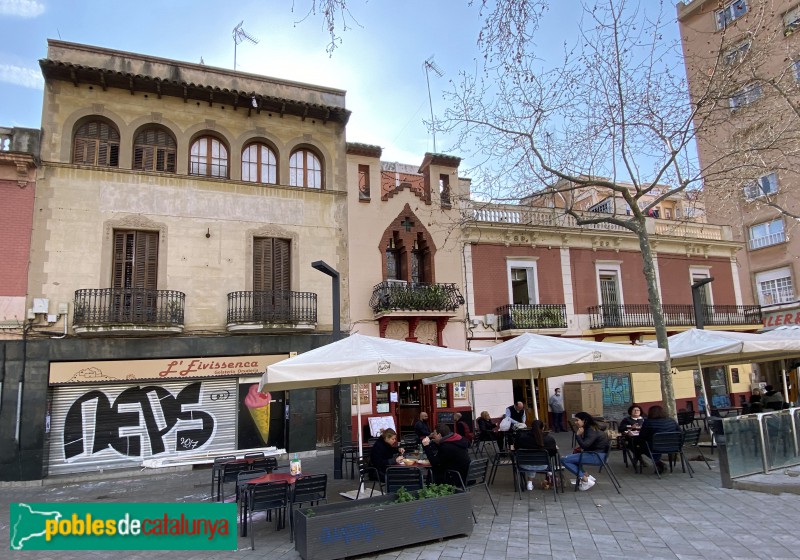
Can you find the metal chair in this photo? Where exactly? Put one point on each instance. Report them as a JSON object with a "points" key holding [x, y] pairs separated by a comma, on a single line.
{"points": [[241, 489], [602, 458], [367, 473], [691, 438], [230, 473], [532, 461], [266, 463], [311, 489], [350, 457], [503, 458], [254, 455], [409, 478], [477, 475], [667, 443], [269, 496], [410, 441], [216, 474], [686, 419]]}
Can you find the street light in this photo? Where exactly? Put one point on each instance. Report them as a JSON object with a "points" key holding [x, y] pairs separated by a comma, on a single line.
{"points": [[338, 420], [697, 301]]}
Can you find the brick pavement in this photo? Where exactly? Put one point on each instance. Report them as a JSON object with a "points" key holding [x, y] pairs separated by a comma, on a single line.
{"points": [[675, 517]]}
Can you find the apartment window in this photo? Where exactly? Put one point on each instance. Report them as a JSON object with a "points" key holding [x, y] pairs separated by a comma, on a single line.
{"points": [[766, 234], [363, 182], [393, 268], [522, 283], [610, 294], [208, 157], [96, 143], [696, 274], [764, 185], [737, 52], [444, 189], [791, 20], [154, 150], [730, 13], [605, 207], [305, 170], [271, 279], [134, 275], [259, 164], [775, 286], [745, 96]]}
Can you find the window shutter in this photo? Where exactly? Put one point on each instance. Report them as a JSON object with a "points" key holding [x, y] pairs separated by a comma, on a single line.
{"points": [[118, 274], [262, 252], [281, 265]]}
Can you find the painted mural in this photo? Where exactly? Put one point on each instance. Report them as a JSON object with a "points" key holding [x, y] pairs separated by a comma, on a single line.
{"points": [[617, 396], [120, 426]]}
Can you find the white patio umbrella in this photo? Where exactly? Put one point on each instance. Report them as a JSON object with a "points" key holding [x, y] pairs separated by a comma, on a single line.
{"points": [[367, 359], [533, 355], [703, 348]]}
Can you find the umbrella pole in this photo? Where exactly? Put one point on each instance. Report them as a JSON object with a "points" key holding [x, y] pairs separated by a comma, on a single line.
{"points": [[703, 387], [785, 385], [533, 391]]}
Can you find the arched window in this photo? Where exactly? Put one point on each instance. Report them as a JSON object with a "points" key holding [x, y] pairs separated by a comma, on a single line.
{"points": [[259, 164], [96, 143], [209, 157], [305, 170], [154, 150]]}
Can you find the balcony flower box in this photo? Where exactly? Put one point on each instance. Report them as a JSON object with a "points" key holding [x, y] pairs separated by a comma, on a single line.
{"points": [[367, 526]]}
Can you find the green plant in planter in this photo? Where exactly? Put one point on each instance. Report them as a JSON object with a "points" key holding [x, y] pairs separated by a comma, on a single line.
{"points": [[428, 491]]}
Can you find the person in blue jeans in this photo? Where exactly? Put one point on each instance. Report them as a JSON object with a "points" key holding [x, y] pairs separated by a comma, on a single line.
{"points": [[590, 437]]}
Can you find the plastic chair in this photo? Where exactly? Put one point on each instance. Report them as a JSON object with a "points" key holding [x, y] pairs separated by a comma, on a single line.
{"points": [[532, 461], [691, 438], [602, 458], [667, 443], [216, 473], [477, 475], [269, 496], [409, 478], [311, 489], [367, 473]]}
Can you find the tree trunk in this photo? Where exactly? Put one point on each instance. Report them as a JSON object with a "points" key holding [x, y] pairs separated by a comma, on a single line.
{"points": [[667, 390]]}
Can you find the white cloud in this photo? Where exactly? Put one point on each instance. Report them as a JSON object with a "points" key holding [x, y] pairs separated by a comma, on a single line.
{"points": [[19, 76], [22, 8]]}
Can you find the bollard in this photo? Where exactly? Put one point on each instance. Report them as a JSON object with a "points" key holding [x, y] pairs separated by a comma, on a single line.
{"points": [[718, 434]]}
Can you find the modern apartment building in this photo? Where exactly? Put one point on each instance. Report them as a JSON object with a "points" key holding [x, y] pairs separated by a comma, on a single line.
{"points": [[748, 53]]}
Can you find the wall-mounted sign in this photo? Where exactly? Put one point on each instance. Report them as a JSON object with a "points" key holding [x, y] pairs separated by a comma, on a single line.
{"points": [[167, 369], [781, 318]]}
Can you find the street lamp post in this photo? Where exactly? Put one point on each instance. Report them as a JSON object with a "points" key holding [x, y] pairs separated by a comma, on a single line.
{"points": [[338, 419]]}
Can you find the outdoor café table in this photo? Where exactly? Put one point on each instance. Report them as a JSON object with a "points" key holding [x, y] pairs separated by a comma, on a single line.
{"points": [[272, 477], [726, 411]]}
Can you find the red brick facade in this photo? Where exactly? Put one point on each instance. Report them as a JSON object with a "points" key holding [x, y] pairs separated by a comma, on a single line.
{"points": [[16, 215]]}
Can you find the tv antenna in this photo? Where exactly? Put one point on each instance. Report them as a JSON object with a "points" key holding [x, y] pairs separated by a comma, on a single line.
{"points": [[239, 36], [429, 65]]}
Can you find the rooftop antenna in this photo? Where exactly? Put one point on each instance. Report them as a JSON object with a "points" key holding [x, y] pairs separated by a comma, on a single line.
{"points": [[239, 35], [429, 65]]}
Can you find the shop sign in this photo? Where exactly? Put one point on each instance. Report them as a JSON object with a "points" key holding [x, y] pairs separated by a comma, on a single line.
{"points": [[781, 318], [166, 369]]}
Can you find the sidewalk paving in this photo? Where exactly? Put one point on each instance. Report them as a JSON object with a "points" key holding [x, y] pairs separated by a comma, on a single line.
{"points": [[675, 517]]}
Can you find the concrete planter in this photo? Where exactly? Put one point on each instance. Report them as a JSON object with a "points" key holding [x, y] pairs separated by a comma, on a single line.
{"points": [[344, 529]]}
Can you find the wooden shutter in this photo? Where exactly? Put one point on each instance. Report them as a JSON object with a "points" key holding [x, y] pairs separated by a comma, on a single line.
{"points": [[271, 264], [135, 260]]}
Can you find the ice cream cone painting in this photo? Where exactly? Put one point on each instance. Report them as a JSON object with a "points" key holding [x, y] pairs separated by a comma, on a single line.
{"points": [[258, 404]]}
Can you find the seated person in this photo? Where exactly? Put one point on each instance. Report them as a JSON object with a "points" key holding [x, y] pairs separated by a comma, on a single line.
{"points": [[446, 451], [487, 430], [633, 421], [384, 454], [462, 428], [421, 427], [589, 437], [657, 422], [516, 412], [536, 439], [755, 402], [772, 399]]}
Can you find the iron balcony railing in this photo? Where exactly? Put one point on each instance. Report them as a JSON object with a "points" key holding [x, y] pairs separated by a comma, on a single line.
{"points": [[675, 315], [128, 306], [538, 316], [397, 295], [272, 306]]}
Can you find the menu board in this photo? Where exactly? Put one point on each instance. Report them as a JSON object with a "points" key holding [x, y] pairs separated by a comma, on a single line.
{"points": [[380, 423]]}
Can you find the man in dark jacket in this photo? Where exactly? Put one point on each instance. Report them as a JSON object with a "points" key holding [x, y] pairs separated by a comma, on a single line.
{"points": [[447, 451], [421, 426]]}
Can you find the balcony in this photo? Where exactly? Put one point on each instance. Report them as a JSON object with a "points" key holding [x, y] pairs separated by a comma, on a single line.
{"points": [[272, 311], [128, 311], [767, 240], [675, 315], [397, 295], [532, 317]]}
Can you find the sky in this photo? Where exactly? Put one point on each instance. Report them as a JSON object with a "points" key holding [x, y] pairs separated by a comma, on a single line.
{"points": [[379, 61]]}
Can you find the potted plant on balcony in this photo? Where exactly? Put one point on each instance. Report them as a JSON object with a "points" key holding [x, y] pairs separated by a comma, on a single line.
{"points": [[373, 524]]}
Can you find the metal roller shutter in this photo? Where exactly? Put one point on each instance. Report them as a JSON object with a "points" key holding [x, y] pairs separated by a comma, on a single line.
{"points": [[117, 426]]}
